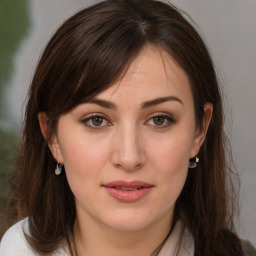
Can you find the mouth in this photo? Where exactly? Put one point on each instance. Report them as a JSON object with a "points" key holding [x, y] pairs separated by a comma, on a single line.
{"points": [[128, 188], [128, 192]]}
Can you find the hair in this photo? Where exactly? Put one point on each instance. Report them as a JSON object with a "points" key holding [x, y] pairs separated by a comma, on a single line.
{"points": [[88, 54]]}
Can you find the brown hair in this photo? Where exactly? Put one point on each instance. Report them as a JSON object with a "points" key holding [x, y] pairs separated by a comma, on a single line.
{"points": [[86, 55]]}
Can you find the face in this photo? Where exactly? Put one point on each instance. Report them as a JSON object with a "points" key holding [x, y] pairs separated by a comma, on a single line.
{"points": [[126, 152]]}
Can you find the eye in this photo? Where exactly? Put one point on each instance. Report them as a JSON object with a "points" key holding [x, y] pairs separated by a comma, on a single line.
{"points": [[96, 122], [160, 121]]}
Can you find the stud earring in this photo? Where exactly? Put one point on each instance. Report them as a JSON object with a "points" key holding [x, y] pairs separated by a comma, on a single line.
{"points": [[193, 162], [58, 169]]}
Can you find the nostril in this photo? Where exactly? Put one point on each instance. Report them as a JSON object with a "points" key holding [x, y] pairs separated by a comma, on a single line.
{"points": [[127, 152], [129, 166]]}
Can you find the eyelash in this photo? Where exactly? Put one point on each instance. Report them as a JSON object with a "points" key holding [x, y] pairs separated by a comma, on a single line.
{"points": [[168, 120], [94, 116]]}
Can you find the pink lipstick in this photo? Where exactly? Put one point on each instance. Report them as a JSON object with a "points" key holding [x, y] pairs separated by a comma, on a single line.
{"points": [[128, 192]]}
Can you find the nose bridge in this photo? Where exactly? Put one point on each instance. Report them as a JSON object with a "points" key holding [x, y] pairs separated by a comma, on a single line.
{"points": [[128, 151]]}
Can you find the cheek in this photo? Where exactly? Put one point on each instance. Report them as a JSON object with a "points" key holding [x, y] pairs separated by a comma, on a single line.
{"points": [[172, 152], [83, 158], [173, 167], [84, 161], [170, 159]]}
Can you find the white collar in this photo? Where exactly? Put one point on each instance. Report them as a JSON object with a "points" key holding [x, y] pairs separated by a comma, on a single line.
{"points": [[179, 243]]}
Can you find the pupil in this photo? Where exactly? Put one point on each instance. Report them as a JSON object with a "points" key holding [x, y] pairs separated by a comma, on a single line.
{"points": [[159, 120], [97, 121]]}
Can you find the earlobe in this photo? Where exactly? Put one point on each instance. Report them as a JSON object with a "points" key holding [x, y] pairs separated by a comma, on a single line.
{"points": [[52, 142], [202, 130], [53, 145], [55, 149]]}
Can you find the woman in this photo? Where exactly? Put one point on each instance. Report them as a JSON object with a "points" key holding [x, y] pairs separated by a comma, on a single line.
{"points": [[123, 149]]}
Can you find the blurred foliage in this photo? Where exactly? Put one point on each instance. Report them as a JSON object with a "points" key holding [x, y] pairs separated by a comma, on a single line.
{"points": [[8, 143], [14, 24], [14, 21], [7, 153]]}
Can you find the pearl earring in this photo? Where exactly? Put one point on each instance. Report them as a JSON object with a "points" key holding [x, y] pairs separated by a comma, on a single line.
{"points": [[193, 162], [58, 169]]}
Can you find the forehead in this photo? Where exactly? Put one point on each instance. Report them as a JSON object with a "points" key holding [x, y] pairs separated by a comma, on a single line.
{"points": [[154, 73]]}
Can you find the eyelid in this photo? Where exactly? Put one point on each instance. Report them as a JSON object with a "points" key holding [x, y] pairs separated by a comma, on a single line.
{"points": [[167, 116], [90, 116]]}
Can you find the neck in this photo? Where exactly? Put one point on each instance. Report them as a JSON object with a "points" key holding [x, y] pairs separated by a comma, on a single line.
{"points": [[95, 238]]}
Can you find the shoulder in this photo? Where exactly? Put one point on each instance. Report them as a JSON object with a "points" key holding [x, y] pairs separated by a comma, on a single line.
{"points": [[14, 241], [249, 248]]}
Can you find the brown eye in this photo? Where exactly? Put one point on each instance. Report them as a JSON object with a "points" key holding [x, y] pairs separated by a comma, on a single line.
{"points": [[159, 120], [97, 121]]}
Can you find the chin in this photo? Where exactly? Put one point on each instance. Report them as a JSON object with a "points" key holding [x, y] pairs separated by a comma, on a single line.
{"points": [[128, 226], [129, 221]]}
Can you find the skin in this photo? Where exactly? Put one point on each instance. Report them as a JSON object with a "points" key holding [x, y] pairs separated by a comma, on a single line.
{"points": [[132, 140]]}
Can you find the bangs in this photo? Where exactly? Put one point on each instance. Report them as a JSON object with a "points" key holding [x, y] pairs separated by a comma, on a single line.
{"points": [[91, 58]]}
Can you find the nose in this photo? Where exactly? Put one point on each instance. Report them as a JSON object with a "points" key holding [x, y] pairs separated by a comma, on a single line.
{"points": [[128, 153]]}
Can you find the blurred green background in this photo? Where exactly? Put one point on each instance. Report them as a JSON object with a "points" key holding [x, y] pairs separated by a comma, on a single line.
{"points": [[14, 25]]}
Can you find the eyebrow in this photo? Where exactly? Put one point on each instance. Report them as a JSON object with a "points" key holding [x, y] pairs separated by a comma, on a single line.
{"points": [[160, 100], [103, 103], [146, 104]]}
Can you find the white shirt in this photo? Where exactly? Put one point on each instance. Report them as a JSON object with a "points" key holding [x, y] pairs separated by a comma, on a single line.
{"points": [[14, 243]]}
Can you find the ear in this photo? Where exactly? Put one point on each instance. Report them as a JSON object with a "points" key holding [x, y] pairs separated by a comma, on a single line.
{"points": [[52, 141], [43, 123], [201, 130]]}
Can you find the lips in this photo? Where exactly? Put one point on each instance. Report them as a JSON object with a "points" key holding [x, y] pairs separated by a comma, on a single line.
{"points": [[128, 192], [128, 188]]}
